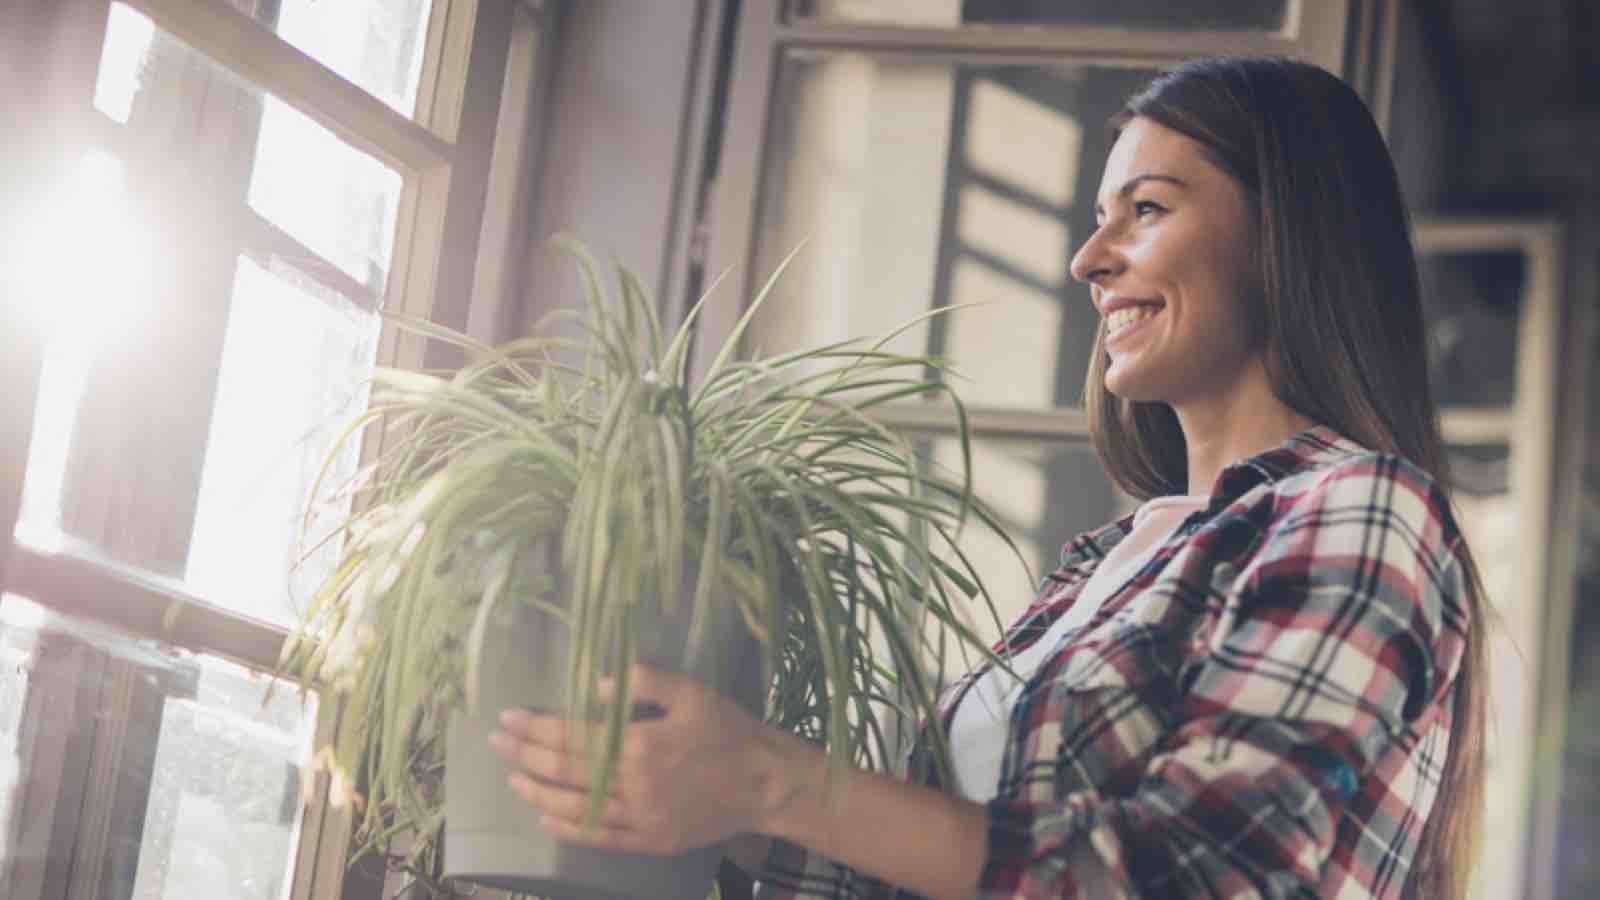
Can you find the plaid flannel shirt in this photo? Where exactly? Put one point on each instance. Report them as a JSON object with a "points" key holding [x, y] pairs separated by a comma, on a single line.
{"points": [[1263, 710]]}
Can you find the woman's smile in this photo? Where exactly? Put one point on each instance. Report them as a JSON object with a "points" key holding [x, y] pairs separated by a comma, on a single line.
{"points": [[1128, 321]]}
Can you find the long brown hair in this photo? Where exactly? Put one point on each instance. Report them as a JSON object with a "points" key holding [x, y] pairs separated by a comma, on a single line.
{"points": [[1341, 319]]}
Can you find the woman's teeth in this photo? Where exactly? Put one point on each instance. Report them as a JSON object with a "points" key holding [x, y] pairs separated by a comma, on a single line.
{"points": [[1127, 316]]}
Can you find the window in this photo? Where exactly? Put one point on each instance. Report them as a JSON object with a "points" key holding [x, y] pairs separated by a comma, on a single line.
{"points": [[240, 187]]}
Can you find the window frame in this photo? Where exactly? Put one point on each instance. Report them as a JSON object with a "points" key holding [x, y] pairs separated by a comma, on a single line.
{"points": [[1544, 427], [463, 159]]}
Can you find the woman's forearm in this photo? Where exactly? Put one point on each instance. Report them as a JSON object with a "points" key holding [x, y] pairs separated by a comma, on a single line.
{"points": [[910, 836]]}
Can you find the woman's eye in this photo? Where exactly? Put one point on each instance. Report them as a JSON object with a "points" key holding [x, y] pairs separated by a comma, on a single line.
{"points": [[1143, 208]]}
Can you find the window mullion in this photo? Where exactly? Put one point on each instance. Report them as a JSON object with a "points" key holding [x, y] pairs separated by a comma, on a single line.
{"points": [[1032, 44], [441, 216], [361, 119], [264, 240], [326, 827], [78, 580], [1064, 424]]}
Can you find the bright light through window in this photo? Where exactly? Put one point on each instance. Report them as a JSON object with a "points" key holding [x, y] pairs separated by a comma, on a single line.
{"points": [[309, 249], [128, 37], [84, 270], [377, 44]]}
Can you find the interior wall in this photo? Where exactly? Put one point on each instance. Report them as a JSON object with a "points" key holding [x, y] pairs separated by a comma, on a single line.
{"points": [[625, 107]]}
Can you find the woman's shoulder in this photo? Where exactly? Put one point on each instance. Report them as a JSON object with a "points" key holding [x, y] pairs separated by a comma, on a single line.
{"points": [[1357, 486]]}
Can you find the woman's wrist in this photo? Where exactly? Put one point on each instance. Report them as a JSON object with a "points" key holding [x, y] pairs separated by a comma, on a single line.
{"points": [[860, 819], [793, 771]]}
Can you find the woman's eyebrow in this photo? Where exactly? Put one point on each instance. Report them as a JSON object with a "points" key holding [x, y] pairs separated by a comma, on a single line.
{"points": [[1129, 185]]}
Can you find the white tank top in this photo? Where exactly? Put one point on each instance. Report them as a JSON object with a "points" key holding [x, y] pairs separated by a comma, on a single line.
{"points": [[979, 727]]}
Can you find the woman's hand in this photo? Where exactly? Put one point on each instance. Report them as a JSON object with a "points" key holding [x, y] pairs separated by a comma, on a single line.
{"points": [[702, 771]]}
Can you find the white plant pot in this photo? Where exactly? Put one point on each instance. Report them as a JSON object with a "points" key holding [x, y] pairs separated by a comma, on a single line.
{"points": [[492, 836]]}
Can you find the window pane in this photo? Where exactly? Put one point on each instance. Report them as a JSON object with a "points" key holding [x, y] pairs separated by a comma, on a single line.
{"points": [[919, 185], [1471, 302], [293, 372], [76, 305], [199, 324], [377, 44], [1173, 15], [142, 771], [295, 364], [334, 199], [330, 197]]}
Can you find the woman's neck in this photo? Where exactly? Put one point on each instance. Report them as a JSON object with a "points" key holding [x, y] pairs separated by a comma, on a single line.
{"points": [[1226, 428]]}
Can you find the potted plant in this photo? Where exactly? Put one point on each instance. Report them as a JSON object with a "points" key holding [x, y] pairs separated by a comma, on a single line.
{"points": [[561, 507]]}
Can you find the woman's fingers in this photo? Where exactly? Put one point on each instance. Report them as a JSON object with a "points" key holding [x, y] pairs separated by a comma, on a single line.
{"points": [[560, 805], [543, 763], [605, 838], [554, 732]]}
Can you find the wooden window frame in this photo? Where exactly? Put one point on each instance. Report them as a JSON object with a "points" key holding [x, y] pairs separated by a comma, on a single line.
{"points": [[463, 157]]}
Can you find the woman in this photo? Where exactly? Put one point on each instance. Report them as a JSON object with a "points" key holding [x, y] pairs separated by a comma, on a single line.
{"points": [[1268, 681]]}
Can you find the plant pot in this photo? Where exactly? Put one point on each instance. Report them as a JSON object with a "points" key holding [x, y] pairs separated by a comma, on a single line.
{"points": [[492, 836]]}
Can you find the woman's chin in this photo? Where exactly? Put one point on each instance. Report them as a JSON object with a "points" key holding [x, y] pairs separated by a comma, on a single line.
{"points": [[1128, 383]]}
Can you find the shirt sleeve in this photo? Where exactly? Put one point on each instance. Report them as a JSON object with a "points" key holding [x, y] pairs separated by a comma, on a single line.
{"points": [[1343, 632], [793, 873]]}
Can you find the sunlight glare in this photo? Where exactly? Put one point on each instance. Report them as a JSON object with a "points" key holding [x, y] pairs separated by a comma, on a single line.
{"points": [[82, 272], [81, 265]]}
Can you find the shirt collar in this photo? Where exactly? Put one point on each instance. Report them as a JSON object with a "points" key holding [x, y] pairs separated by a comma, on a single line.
{"points": [[1317, 446], [1313, 448]]}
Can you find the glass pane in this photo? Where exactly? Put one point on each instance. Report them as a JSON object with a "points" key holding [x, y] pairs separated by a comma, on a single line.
{"points": [[334, 199], [918, 185], [1044, 494], [136, 380], [377, 44], [95, 211], [1169, 15], [295, 364], [1471, 304], [142, 771]]}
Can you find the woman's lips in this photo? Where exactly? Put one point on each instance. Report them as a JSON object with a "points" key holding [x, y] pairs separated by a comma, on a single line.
{"points": [[1129, 320]]}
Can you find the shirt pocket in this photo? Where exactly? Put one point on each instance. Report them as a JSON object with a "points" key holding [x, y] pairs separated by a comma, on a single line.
{"points": [[1118, 653], [1099, 714]]}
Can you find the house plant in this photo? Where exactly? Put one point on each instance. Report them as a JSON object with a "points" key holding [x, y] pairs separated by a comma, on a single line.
{"points": [[563, 506]]}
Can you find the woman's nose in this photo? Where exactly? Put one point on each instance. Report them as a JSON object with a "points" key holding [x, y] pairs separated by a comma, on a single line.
{"points": [[1094, 260]]}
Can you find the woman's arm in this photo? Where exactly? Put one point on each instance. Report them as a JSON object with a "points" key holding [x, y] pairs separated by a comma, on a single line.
{"points": [[923, 840]]}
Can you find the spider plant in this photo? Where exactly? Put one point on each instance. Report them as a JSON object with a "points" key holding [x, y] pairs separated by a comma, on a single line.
{"points": [[767, 488]]}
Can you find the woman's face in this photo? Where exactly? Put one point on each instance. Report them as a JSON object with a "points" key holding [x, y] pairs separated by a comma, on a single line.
{"points": [[1172, 270]]}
